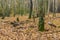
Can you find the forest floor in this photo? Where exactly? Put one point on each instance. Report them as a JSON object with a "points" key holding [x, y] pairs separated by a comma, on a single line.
{"points": [[28, 30]]}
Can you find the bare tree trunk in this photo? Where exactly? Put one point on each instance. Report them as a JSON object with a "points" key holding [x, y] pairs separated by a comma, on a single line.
{"points": [[41, 16], [31, 8], [48, 5], [2, 5], [54, 13], [56, 5]]}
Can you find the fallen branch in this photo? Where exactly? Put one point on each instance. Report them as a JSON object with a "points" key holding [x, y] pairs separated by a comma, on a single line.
{"points": [[51, 24]]}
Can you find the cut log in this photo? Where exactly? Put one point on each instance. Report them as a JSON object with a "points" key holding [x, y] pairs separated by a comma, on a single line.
{"points": [[51, 24]]}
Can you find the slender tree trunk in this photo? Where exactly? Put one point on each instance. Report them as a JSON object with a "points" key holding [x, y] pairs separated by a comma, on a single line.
{"points": [[56, 5], [2, 5], [48, 6], [41, 17], [31, 8], [54, 8]]}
